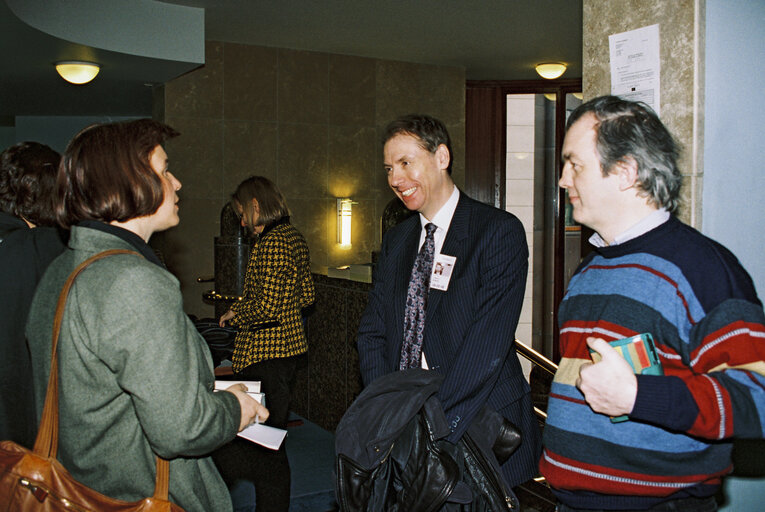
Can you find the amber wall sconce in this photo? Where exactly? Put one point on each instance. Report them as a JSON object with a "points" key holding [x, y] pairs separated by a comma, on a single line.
{"points": [[344, 217]]}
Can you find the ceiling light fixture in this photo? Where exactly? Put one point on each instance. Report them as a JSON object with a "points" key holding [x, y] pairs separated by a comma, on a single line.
{"points": [[76, 71], [551, 70]]}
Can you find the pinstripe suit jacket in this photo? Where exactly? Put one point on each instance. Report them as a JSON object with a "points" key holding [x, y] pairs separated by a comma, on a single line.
{"points": [[469, 328]]}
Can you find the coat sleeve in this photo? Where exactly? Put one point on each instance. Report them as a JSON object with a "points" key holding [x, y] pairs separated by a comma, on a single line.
{"points": [[496, 299], [269, 285], [159, 359], [372, 340]]}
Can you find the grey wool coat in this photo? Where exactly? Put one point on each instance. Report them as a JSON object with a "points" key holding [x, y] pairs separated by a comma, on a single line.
{"points": [[135, 377]]}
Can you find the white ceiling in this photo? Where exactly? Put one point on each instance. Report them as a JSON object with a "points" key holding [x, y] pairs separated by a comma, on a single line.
{"points": [[491, 39]]}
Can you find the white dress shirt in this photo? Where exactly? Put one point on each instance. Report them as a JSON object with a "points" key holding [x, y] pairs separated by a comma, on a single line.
{"points": [[648, 223], [442, 219]]}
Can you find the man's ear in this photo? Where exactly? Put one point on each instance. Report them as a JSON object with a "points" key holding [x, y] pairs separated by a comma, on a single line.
{"points": [[442, 156], [627, 172]]}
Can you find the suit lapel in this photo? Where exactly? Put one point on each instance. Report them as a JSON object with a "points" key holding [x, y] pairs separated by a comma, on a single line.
{"points": [[454, 245]]}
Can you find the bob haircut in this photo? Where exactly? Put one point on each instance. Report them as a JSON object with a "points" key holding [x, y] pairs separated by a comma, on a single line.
{"points": [[632, 129], [271, 202], [105, 173], [28, 181], [429, 131]]}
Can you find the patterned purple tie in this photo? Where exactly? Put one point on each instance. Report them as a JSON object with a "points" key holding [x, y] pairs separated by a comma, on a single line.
{"points": [[416, 299]]}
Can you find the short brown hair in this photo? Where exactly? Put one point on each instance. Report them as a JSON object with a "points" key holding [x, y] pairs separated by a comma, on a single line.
{"points": [[106, 175], [271, 202], [429, 131], [27, 182]]}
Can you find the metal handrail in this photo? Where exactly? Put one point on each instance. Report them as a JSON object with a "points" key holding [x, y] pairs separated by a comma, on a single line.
{"points": [[539, 360], [535, 357]]}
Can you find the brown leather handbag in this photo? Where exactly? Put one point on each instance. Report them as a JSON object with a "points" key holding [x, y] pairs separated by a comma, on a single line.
{"points": [[34, 480]]}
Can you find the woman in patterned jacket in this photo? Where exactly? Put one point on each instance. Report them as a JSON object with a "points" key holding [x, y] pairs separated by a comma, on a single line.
{"points": [[270, 338]]}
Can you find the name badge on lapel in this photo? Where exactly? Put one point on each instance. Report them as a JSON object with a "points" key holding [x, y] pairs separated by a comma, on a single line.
{"points": [[442, 272]]}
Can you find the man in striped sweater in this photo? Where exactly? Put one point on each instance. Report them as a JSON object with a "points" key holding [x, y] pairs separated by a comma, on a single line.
{"points": [[648, 273]]}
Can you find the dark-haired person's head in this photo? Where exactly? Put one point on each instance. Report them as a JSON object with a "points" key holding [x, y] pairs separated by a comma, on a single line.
{"points": [[27, 182], [417, 159], [117, 172], [628, 129], [259, 202], [429, 131]]}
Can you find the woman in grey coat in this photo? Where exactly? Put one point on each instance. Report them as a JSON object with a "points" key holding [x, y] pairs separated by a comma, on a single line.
{"points": [[135, 378]]}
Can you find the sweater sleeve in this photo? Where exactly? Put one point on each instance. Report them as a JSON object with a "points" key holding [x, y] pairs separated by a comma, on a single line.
{"points": [[722, 393], [160, 361]]}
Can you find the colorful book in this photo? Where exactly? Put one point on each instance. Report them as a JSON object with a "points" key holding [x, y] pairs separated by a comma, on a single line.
{"points": [[640, 353]]}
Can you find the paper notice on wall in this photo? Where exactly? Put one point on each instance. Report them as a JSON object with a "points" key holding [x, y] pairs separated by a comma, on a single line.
{"points": [[636, 66]]}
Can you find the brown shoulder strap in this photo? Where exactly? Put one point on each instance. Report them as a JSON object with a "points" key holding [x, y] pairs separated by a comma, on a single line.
{"points": [[46, 444]]}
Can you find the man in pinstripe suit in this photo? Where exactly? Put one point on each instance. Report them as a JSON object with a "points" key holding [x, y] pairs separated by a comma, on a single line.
{"points": [[472, 308]]}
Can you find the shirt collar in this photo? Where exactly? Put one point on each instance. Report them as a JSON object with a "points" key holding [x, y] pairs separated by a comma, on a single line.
{"points": [[443, 217], [651, 221]]}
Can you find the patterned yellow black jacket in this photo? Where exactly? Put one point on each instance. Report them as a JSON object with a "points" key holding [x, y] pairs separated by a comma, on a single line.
{"points": [[277, 286]]}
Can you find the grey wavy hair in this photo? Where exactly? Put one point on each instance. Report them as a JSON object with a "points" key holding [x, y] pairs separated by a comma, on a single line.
{"points": [[632, 129]]}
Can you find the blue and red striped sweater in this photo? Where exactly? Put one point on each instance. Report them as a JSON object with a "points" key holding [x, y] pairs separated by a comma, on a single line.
{"points": [[700, 305]]}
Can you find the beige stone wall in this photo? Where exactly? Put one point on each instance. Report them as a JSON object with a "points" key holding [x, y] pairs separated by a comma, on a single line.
{"points": [[309, 121], [681, 32]]}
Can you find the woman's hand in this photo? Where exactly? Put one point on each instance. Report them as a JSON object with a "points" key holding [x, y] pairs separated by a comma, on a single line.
{"points": [[228, 315], [251, 409]]}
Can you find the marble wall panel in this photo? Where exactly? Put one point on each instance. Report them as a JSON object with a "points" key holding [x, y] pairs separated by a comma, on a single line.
{"points": [[198, 93], [250, 78], [303, 160], [352, 151], [303, 87], [398, 90], [196, 156], [188, 249], [352, 90], [250, 148], [313, 218], [439, 97]]}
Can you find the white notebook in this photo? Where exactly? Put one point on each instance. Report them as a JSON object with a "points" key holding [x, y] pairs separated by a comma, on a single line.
{"points": [[264, 435], [253, 386]]}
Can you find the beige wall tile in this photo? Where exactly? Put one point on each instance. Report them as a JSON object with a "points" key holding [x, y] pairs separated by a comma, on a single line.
{"points": [[198, 93], [352, 83], [303, 87], [250, 77]]}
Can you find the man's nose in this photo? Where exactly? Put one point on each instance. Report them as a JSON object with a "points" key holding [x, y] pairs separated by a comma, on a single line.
{"points": [[394, 177], [565, 177]]}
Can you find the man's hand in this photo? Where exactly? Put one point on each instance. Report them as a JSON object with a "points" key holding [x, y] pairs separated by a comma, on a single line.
{"points": [[225, 317], [609, 386]]}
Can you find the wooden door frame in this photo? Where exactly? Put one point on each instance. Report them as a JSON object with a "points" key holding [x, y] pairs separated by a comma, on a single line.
{"points": [[485, 154]]}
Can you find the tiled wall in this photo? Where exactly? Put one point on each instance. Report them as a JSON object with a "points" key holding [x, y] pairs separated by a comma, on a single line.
{"points": [[530, 158], [520, 188], [309, 121]]}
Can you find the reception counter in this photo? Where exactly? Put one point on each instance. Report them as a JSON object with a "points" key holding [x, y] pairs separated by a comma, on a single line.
{"points": [[328, 378]]}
